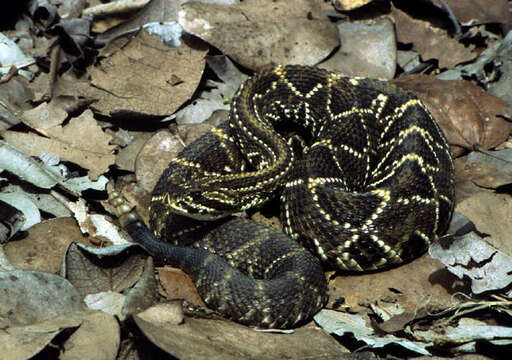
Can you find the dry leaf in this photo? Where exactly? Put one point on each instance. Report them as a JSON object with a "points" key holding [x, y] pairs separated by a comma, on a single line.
{"points": [[156, 11], [407, 284], [144, 293], [11, 221], [125, 158], [107, 301], [469, 255], [491, 213], [24, 204], [30, 297], [256, 34], [44, 116], [93, 271], [478, 171], [67, 88], [341, 323], [223, 340], [468, 115], [112, 13], [368, 49], [14, 97], [468, 330], [82, 142], [138, 78], [165, 313], [430, 42], [35, 252], [98, 337], [480, 11], [178, 285], [470, 178], [26, 342], [154, 157]]}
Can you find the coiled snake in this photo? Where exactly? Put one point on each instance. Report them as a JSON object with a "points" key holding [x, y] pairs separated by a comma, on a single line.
{"points": [[362, 171]]}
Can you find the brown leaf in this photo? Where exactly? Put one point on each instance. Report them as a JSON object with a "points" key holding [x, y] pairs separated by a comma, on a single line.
{"points": [[256, 34], [178, 285], [430, 42], [156, 11], [170, 313], [35, 252], [112, 13], [98, 334], [480, 11], [468, 115], [216, 340], [137, 77], [407, 285], [30, 297], [26, 342], [67, 87], [114, 273], [83, 132], [81, 141]]}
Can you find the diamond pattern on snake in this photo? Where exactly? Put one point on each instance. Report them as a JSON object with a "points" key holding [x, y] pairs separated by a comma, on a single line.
{"points": [[362, 172]]}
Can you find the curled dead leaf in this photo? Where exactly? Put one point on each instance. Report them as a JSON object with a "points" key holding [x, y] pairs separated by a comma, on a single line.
{"points": [[469, 116]]}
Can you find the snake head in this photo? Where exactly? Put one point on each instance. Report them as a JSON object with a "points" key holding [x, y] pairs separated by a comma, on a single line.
{"points": [[195, 200]]}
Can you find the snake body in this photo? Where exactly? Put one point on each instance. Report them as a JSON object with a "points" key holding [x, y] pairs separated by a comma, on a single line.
{"points": [[364, 178]]}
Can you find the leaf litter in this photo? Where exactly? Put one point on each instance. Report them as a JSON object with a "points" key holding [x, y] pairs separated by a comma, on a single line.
{"points": [[88, 102]]}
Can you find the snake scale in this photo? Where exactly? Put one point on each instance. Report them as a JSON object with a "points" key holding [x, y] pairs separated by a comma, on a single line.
{"points": [[362, 172]]}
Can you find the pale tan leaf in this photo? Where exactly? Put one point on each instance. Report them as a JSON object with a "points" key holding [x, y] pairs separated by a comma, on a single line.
{"points": [[81, 141], [139, 77], [97, 338], [256, 34], [43, 117]]}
